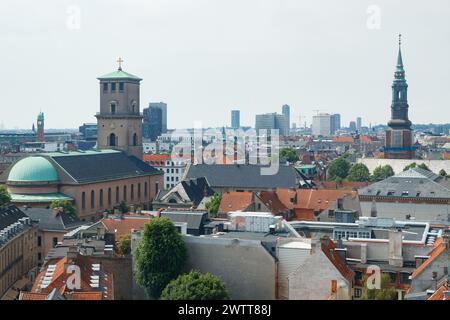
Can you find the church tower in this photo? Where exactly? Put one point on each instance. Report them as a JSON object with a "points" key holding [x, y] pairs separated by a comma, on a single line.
{"points": [[119, 123], [40, 136], [399, 136]]}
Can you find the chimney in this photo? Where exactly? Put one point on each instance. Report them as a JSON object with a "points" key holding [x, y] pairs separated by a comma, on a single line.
{"points": [[373, 209], [445, 238], [325, 241], [395, 248], [340, 204], [72, 254], [363, 252]]}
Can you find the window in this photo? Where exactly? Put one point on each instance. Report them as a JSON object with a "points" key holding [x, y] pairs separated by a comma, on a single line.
{"points": [[145, 190], [92, 199], [55, 241], [330, 213], [392, 277], [39, 241], [109, 196], [113, 107], [358, 293], [83, 200], [125, 193], [156, 187], [358, 275], [132, 192], [112, 140], [113, 87], [105, 87], [39, 256], [117, 194], [139, 191], [101, 198], [135, 139], [121, 86], [404, 278]]}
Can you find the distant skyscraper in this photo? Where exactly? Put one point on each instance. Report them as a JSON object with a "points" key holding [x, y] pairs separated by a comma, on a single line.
{"points": [[358, 124], [286, 111], [163, 107], [321, 125], [399, 136], [352, 126], [153, 122], [335, 122], [235, 119], [270, 121], [40, 137]]}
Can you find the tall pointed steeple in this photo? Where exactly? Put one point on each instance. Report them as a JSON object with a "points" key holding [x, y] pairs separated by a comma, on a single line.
{"points": [[399, 57]]}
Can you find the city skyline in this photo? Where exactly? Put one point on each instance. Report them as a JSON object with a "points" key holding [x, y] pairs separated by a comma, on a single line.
{"points": [[204, 78]]}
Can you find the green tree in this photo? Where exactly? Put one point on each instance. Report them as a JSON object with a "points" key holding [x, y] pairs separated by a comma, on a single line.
{"points": [[423, 166], [122, 207], [196, 286], [384, 293], [125, 244], [290, 154], [213, 205], [66, 205], [4, 196], [382, 172], [159, 256], [338, 169], [442, 173], [410, 166], [359, 173]]}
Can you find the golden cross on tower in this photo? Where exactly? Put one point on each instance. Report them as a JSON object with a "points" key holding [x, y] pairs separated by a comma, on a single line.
{"points": [[119, 61]]}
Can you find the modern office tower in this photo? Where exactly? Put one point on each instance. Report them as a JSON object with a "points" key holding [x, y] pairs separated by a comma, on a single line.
{"points": [[352, 126], [235, 119], [286, 112], [163, 107], [153, 123], [335, 122], [270, 121], [321, 125], [399, 136], [358, 124]]}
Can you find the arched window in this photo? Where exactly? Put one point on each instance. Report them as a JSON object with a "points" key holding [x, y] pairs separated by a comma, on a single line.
{"points": [[83, 200], [145, 190], [139, 191], [135, 139], [101, 198], [112, 140], [125, 193], [132, 192], [92, 199], [109, 196], [117, 194], [113, 107], [134, 107]]}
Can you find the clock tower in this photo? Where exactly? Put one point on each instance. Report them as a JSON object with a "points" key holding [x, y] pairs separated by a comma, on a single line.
{"points": [[399, 136], [119, 122]]}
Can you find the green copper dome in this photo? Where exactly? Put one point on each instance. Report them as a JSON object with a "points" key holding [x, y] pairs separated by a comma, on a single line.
{"points": [[33, 169]]}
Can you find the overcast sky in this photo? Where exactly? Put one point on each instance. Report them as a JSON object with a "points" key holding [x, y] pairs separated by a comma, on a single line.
{"points": [[206, 57]]}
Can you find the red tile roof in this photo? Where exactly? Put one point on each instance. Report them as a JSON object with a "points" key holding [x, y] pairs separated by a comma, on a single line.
{"points": [[270, 199], [343, 139], [347, 185], [439, 294], [330, 251], [439, 248], [235, 201], [124, 226]]}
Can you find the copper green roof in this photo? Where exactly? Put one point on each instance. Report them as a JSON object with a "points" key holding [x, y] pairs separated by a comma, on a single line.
{"points": [[119, 74], [33, 169], [41, 116], [39, 198]]}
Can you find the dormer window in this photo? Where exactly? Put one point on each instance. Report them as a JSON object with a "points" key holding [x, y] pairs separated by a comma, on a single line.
{"points": [[113, 87], [105, 87], [121, 86]]}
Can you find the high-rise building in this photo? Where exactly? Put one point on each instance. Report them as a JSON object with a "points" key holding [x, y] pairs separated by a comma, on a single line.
{"points": [[286, 111], [270, 121], [119, 123], [88, 131], [321, 125], [163, 107], [40, 136], [153, 123], [358, 124], [335, 122], [352, 126], [235, 119], [399, 136]]}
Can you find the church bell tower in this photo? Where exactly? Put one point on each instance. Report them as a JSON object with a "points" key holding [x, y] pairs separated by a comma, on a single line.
{"points": [[119, 122], [399, 136]]}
